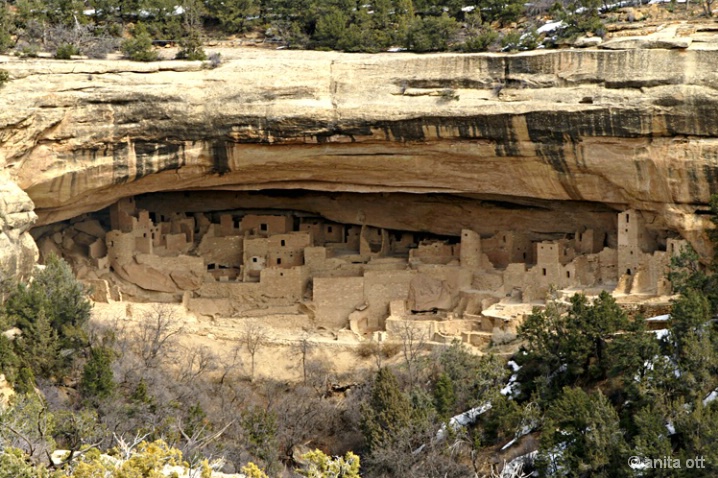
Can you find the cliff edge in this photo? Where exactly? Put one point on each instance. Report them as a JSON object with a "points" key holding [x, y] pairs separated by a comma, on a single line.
{"points": [[562, 134]]}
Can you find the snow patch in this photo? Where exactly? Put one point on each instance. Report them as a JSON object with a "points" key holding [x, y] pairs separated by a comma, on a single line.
{"points": [[463, 419], [711, 397], [550, 26], [659, 318]]}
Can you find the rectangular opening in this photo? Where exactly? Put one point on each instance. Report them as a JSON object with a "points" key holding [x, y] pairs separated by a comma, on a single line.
{"points": [[262, 227], [544, 271], [329, 229], [254, 259], [279, 261], [283, 243]]}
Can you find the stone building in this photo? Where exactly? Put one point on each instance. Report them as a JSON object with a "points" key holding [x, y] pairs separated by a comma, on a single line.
{"points": [[361, 277]]}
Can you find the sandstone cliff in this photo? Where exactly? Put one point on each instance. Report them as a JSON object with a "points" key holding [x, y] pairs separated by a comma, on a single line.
{"points": [[18, 252], [546, 141]]}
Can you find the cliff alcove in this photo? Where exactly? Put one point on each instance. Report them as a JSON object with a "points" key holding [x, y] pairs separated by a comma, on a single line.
{"points": [[369, 144], [364, 261]]}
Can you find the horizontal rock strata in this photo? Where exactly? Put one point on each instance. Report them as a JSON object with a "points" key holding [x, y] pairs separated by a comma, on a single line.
{"points": [[604, 129]]}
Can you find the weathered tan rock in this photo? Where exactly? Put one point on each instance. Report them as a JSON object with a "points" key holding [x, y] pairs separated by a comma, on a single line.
{"points": [[147, 278], [18, 252], [587, 42], [542, 132], [632, 43]]}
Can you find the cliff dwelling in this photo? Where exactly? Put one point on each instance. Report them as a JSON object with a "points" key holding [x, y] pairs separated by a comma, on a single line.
{"points": [[225, 254]]}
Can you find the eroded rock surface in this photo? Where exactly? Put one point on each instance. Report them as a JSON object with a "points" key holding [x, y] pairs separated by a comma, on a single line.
{"points": [[539, 132], [18, 252]]}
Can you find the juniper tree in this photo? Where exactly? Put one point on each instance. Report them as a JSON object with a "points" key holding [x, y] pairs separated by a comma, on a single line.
{"points": [[387, 412]]}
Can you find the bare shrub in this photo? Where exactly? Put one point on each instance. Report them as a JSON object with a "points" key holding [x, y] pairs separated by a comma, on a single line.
{"points": [[82, 38], [215, 59], [366, 350], [390, 349], [502, 337], [253, 337], [155, 336], [413, 339]]}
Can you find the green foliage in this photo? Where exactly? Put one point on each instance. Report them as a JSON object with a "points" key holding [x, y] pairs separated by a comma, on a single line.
{"points": [[66, 51], [480, 40], [511, 41], [582, 437], [234, 16], [503, 420], [579, 16], [9, 361], [97, 380], [50, 312], [431, 33], [191, 48], [28, 425], [139, 48], [14, 464], [387, 412], [6, 25], [502, 11], [260, 428], [565, 347], [686, 272], [693, 345], [444, 397], [25, 382], [320, 465], [473, 377]]}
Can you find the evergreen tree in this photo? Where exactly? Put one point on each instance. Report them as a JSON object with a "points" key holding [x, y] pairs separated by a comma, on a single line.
{"points": [[431, 33], [582, 437], [234, 17], [50, 312], [97, 379], [139, 48], [444, 398], [387, 412]]}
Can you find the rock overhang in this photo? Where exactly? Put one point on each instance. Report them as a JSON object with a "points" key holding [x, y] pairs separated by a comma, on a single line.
{"points": [[619, 129]]}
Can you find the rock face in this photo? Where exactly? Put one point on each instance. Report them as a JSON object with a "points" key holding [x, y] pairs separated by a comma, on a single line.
{"points": [[555, 134], [18, 252]]}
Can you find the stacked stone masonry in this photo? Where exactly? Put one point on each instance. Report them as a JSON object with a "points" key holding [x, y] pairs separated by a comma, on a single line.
{"points": [[230, 264]]}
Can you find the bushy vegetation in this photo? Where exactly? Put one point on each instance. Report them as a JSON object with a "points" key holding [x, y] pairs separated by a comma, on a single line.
{"points": [[588, 388], [94, 27]]}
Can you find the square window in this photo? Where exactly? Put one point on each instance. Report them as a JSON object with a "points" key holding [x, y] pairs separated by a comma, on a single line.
{"points": [[262, 227], [254, 259]]}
